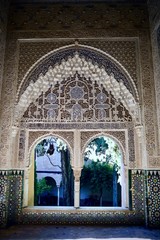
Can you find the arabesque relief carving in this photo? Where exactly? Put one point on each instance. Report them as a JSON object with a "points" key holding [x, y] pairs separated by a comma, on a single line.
{"points": [[76, 99], [85, 70], [139, 51], [71, 16], [123, 50]]}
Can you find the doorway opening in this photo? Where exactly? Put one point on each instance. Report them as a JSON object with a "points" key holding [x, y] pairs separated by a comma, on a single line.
{"points": [[102, 177], [53, 175]]}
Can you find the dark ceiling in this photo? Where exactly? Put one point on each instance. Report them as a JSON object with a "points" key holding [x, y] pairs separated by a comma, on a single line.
{"points": [[80, 1]]}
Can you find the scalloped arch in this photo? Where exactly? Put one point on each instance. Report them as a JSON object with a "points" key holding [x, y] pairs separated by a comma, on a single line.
{"points": [[86, 61]]}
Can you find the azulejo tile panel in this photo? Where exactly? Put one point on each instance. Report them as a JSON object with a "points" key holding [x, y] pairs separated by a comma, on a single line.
{"points": [[10, 196], [134, 216], [3, 200], [154, 198], [11, 212], [81, 217], [138, 193], [15, 199]]}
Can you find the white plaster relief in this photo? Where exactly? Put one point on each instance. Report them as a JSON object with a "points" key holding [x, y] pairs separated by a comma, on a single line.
{"points": [[112, 59], [68, 68]]}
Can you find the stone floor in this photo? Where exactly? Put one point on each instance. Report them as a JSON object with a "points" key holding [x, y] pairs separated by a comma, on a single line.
{"points": [[41, 232]]}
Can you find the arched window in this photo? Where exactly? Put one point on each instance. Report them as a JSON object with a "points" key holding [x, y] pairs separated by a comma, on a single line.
{"points": [[102, 178], [53, 176]]}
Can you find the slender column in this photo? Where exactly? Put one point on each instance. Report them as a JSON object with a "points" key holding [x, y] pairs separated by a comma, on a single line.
{"points": [[58, 195], [125, 200], [14, 147], [77, 148], [26, 186], [77, 174], [138, 145], [78, 167]]}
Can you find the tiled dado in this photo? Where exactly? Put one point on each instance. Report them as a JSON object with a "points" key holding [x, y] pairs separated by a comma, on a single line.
{"points": [[144, 204], [80, 216], [11, 182], [108, 216]]}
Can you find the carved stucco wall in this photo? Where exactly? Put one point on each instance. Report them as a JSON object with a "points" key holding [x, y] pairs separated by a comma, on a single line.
{"points": [[122, 50], [120, 31], [154, 14], [3, 29]]}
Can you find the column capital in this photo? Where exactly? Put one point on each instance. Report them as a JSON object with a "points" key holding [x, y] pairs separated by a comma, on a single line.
{"points": [[14, 131], [77, 174], [138, 130]]}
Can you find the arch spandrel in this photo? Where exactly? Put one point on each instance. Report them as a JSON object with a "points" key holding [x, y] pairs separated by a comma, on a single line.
{"points": [[76, 99], [84, 61]]}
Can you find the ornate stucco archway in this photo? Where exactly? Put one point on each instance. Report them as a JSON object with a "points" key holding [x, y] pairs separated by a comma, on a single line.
{"points": [[77, 92], [84, 61], [130, 72]]}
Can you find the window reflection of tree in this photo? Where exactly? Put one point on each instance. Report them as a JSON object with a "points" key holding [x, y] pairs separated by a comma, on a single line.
{"points": [[65, 190], [100, 178]]}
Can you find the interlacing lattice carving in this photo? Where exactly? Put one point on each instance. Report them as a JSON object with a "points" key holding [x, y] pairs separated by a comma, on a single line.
{"points": [[78, 65], [76, 99], [122, 49]]}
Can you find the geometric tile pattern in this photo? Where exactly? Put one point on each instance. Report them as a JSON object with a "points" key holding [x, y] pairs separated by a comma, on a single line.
{"points": [[77, 217], [138, 191], [10, 196], [11, 212], [134, 216], [154, 199], [3, 200], [15, 198]]}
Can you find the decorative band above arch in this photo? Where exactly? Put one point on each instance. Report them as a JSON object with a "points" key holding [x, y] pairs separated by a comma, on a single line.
{"points": [[84, 61], [92, 56]]}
